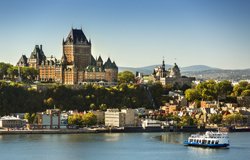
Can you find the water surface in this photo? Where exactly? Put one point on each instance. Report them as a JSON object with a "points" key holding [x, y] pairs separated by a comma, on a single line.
{"points": [[116, 146]]}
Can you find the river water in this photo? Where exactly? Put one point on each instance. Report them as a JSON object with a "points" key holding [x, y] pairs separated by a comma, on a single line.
{"points": [[117, 146]]}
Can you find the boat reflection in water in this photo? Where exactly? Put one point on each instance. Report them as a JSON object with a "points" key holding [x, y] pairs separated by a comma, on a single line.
{"points": [[173, 137]]}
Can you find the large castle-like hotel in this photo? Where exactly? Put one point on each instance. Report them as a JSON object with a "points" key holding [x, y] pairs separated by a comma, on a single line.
{"points": [[76, 66]]}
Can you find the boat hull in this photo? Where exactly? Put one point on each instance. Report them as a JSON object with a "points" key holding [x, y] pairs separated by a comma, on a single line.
{"points": [[206, 145]]}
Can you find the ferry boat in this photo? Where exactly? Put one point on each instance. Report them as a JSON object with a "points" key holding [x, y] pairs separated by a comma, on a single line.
{"points": [[209, 139]]}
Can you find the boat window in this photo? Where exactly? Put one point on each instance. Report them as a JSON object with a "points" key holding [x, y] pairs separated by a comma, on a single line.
{"points": [[208, 142], [212, 142], [203, 141], [217, 142]]}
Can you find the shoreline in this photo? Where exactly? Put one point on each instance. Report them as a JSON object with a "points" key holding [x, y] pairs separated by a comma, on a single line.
{"points": [[115, 130]]}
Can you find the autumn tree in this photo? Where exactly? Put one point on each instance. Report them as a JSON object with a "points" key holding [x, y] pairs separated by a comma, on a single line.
{"points": [[89, 119]]}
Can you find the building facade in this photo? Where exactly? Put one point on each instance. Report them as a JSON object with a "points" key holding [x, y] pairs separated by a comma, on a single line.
{"points": [[131, 117], [52, 119], [114, 118], [11, 122], [77, 64]]}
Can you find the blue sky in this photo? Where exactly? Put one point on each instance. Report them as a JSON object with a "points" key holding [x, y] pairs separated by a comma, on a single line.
{"points": [[134, 33]]}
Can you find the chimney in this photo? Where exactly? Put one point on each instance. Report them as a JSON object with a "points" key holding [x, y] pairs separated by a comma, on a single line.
{"points": [[41, 47]]}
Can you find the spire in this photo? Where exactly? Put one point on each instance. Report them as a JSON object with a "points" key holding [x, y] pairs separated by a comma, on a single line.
{"points": [[163, 64], [100, 59]]}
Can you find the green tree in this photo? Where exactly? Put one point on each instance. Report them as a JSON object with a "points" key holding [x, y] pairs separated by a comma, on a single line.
{"points": [[49, 102], [89, 119], [215, 118], [233, 119], [243, 84], [4, 68], [245, 92], [126, 77], [103, 107], [92, 106], [224, 88], [12, 72], [239, 88], [208, 90], [192, 95], [29, 73], [186, 121], [30, 117]]}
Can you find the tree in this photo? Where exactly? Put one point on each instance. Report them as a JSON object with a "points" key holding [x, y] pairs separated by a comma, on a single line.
{"points": [[237, 90], [30, 117], [49, 102], [3, 69], [208, 90], [215, 118], [29, 73], [241, 87], [243, 84], [76, 119], [224, 88], [186, 121], [103, 107], [12, 72], [192, 95], [89, 119], [245, 92], [126, 77], [234, 118], [92, 106]]}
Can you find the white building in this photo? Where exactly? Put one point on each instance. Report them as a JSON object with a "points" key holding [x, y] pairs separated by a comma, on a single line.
{"points": [[148, 123], [114, 118], [130, 117], [11, 122]]}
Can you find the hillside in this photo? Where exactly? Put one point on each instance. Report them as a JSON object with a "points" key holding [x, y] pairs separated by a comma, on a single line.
{"points": [[199, 72], [149, 69]]}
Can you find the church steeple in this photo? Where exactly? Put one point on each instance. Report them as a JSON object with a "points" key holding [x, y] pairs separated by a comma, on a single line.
{"points": [[163, 64]]}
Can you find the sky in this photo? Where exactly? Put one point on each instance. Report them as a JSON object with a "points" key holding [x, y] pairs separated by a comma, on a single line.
{"points": [[133, 33]]}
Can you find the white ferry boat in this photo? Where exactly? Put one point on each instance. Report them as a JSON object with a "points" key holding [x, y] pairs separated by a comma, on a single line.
{"points": [[209, 139]]}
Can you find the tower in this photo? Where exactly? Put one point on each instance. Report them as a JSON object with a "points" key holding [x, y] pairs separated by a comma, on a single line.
{"points": [[77, 49], [36, 57]]}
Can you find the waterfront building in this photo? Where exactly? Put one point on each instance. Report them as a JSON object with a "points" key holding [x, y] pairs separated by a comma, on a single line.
{"points": [[131, 118], [99, 116], [52, 119], [149, 123], [114, 118], [76, 66], [11, 122]]}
